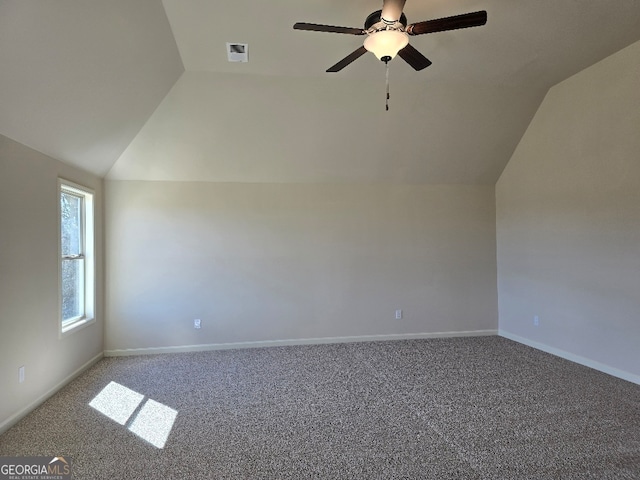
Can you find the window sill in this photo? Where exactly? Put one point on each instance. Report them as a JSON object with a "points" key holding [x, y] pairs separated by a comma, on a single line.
{"points": [[76, 326]]}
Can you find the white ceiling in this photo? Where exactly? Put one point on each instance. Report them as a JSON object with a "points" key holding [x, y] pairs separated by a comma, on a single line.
{"points": [[124, 89], [78, 79]]}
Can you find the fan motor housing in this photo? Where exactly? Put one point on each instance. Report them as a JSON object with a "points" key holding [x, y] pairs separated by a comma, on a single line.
{"points": [[376, 17]]}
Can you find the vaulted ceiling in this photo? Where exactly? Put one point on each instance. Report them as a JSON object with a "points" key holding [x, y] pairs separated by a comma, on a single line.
{"points": [[143, 89]]}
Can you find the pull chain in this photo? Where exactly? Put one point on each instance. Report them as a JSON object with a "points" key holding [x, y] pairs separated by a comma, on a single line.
{"points": [[387, 102]]}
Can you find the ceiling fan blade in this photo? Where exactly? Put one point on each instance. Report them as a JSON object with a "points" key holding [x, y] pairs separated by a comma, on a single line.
{"points": [[392, 10], [474, 19], [414, 58], [328, 28], [347, 60]]}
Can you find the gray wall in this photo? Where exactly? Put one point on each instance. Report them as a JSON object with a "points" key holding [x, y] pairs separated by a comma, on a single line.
{"points": [[568, 221], [265, 262], [29, 280]]}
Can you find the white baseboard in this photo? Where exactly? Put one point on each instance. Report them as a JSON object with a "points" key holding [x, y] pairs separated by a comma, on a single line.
{"points": [[16, 417], [293, 341], [616, 372]]}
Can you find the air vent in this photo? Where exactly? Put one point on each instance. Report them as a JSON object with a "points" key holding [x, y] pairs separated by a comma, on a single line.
{"points": [[238, 52]]}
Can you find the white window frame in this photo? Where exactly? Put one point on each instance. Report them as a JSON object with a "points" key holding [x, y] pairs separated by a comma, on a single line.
{"points": [[68, 326]]}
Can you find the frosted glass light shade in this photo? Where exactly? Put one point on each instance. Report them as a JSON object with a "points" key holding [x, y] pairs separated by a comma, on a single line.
{"points": [[386, 43]]}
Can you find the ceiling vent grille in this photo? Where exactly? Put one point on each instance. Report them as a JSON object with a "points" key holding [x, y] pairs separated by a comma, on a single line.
{"points": [[238, 52]]}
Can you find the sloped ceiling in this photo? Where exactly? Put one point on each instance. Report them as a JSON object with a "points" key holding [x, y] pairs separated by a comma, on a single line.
{"points": [[99, 84], [78, 78]]}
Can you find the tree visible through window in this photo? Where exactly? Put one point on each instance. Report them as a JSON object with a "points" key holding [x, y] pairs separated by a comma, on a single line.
{"points": [[76, 256], [72, 256]]}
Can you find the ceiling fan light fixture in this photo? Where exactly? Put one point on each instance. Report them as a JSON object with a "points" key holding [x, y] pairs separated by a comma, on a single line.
{"points": [[386, 43]]}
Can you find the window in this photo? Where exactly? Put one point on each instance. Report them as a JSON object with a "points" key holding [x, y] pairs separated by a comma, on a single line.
{"points": [[77, 265]]}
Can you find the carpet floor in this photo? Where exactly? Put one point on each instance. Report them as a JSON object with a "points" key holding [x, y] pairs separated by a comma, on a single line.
{"points": [[458, 408]]}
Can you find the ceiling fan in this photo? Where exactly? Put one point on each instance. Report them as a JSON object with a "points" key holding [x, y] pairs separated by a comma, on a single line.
{"points": [[388, 33]]}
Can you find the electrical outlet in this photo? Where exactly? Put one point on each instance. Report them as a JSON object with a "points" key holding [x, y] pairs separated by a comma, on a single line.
{"points": [[398, 314], [536, 321], [196, 323], [21, 374]]}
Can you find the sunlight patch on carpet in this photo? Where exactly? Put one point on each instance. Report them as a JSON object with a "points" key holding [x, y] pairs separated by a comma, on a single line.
{"points": [[152, 422], [117, 402]]}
